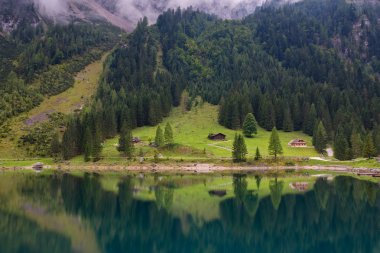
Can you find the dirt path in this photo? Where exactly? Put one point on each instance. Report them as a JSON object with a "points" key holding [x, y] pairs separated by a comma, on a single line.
{"points": [[220, 147]]}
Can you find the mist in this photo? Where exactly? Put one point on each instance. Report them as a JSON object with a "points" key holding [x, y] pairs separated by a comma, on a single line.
{"points": [[134, 10], [229, 9], [52, 8]]}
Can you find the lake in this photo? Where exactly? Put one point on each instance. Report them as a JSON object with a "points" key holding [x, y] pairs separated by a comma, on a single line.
{"points": [[187, 213]]}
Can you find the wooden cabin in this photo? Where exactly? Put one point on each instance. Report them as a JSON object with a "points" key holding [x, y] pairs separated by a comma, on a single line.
{"points": [[217, 137], [297, 143], [38, 166]]}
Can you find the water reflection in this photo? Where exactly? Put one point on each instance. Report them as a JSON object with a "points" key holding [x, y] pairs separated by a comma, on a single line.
{"points": [[257, 215]]}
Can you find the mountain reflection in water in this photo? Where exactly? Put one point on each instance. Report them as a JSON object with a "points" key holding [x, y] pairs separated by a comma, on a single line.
{"points": [[65, 213]]}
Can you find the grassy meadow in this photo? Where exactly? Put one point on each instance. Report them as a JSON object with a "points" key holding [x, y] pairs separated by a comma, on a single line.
{"points": [[190, 135]]}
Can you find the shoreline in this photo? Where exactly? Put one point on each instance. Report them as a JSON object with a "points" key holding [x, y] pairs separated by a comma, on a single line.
{"points": [[195, 168]]}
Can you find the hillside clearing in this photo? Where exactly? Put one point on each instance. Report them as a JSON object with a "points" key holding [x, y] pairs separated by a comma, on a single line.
{"points": [[66, 102]]}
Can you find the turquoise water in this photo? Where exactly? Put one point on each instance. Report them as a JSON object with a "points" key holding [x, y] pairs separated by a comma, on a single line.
{"points": [[142, 213]]}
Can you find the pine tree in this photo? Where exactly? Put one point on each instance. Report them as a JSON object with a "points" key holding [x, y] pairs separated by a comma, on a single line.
{"points": [[129, 148], [87, 144], [287, 122], [320, 139], [239, 150], [275, 147], [257, 155], [169, 140], [341, 148], [376, 138], [249, 125], [159, 139], [97, 146], [55, 145], [234, 119], [356, 145], [310, 120], [125, 142], [369, 149], [122, 140]]}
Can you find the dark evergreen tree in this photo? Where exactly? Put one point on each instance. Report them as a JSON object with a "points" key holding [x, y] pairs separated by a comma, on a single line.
{"points": [[249, 125], [239, 149], [310, 120], [274, 147], [341, 148], [126, 146], [320, 138], [55, 145], [356, 145], [287, 122], [168, 135], [87, 145], [159, 140], [257, 155], [96, 146], [369, 149]]}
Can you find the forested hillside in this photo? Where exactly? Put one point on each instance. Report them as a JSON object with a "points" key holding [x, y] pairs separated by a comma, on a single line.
{"points": [[310, 64], [41, 60]]}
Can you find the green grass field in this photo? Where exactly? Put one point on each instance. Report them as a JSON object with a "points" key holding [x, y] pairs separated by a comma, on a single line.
{"points": [[190, 133]]}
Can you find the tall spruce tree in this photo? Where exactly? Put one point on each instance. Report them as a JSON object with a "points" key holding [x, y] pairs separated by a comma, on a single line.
{"points": [[287, 122], [320, 138], [96, 146], [376, 138], [168, 135], [87, 144], [369, 149], [55, 145], [126, 146], [239, 149], [341, 148], [310, 119], [249, 125], [257, 155], [275, 147], [159, 139], [356, 145]]}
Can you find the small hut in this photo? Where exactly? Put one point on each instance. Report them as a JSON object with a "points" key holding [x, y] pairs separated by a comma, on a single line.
{"points": [[296, 143], [38, 166], [217, 137]]}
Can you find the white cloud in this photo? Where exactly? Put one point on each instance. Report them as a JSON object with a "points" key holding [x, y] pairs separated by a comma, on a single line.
{"points": [[134, 10], [52, 8]]}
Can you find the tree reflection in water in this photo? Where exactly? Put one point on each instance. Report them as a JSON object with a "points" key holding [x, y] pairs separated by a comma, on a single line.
{"points": [[338, 216]]}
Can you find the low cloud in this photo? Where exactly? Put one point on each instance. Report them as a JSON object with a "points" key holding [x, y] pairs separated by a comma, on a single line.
{"points": [[52, 8], [134, 10]]}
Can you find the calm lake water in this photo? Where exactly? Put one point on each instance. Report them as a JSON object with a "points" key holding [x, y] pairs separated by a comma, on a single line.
{"points": [[151, 213]]}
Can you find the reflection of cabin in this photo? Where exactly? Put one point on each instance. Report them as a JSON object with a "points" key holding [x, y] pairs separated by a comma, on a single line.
{"points": [[299, 186], [297, 143], [38, 166], [136, 140], [218, 193], [217, 137]]}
